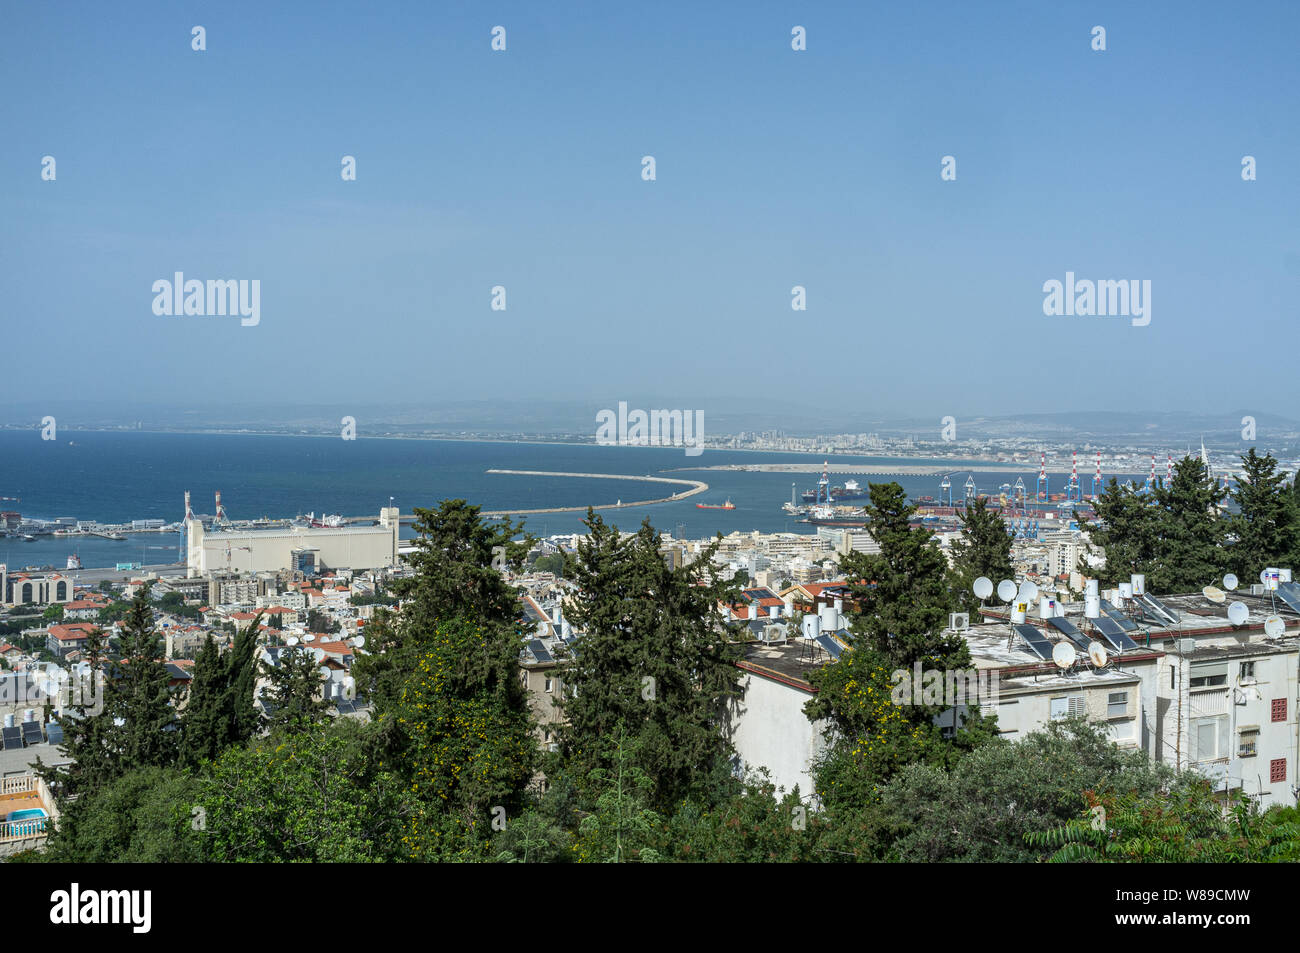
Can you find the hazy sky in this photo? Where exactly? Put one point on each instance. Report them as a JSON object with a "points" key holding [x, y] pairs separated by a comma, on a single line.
{"points": [[775, 168]]}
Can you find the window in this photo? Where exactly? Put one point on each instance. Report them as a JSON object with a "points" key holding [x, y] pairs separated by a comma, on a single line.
{"points": [[1209, 738], [548, 685], [1247, 670], [1279, 709], [1173, 677], [1066, 706], [1208, 674], [1277, 770], [1117, 705], [1248, 743]]}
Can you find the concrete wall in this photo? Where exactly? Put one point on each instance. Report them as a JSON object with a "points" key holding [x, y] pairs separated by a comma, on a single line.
{"points": [[770, 730]]}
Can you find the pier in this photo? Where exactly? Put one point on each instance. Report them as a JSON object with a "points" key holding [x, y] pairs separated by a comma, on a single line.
{"points": [[694, 487]]}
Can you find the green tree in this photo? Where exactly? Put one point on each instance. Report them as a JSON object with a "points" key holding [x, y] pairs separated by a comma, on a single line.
{"points": [[135, 727], [53, 613], [312, 796], [1127, 529], [653, 661], [319, 622], [295, 691], [454, 577], [552, 562], [219, 712], [1191, 532], [467, 744], [139, 694], [88, 737], [901, 593], [984, 549], [145, 816], [1267, 521], [981, 807]]}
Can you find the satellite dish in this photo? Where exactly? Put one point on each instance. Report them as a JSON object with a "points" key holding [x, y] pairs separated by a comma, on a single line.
{"points": [[309, 637], [318, 654], [291, 640], [1097, 652], [1238, 613], [1028, 591], [1006, 590], [1274, 626], [324, 671], [1263, 575], [1063, 654], [983, 587], [1214, 594], [359, 641], [1230, 582]]}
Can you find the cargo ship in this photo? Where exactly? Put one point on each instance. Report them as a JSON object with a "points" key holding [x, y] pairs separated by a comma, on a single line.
{"points": [[851, 490], [825, 516], [716, 506], [74, 561]]}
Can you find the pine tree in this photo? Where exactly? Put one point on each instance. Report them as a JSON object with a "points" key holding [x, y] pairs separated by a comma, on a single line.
{"points": [[1267, 524], [1191, 534], [1126, 529], [653, 661], [984, 549], [902, 593], [295, 693], [457, 566]]}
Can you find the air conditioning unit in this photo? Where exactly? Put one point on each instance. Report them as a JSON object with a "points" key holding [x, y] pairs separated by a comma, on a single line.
{"points": [[773, 634], [959, 621], [1185, 646], [1257, 589]]}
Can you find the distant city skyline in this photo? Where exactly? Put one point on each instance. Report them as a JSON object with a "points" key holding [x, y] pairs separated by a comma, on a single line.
{"points": [[775, 169]]}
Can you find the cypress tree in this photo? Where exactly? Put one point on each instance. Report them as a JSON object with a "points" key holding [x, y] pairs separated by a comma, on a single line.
{"points": [[653, 663]]}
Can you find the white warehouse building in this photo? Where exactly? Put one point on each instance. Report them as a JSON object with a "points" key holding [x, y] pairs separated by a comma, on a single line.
{"points": [[295, 547]]}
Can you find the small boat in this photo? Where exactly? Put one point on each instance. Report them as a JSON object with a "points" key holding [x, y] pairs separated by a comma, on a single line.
{"points": [[28, 538]]}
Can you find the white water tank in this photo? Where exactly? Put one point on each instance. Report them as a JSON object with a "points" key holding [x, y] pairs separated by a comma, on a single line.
{"points": [[9, 720], [1092, 606], [29, 714], [1090, 588], [1126, 590], [1018, 612], [775, 611], [1046, 607], [812, 626], [830, 618]]}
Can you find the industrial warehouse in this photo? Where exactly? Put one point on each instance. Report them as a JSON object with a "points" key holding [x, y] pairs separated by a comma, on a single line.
{"points": [[306, 548]]}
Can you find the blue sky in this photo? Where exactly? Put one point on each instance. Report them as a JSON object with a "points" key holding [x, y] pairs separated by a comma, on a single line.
{"points": [[775, 168]]}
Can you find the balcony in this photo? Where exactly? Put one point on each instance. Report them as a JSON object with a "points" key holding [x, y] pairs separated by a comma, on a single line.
{"points": [[27, 813]]}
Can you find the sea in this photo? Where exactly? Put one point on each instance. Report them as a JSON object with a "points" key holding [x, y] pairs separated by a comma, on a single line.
{"points": [[118, 476]]}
